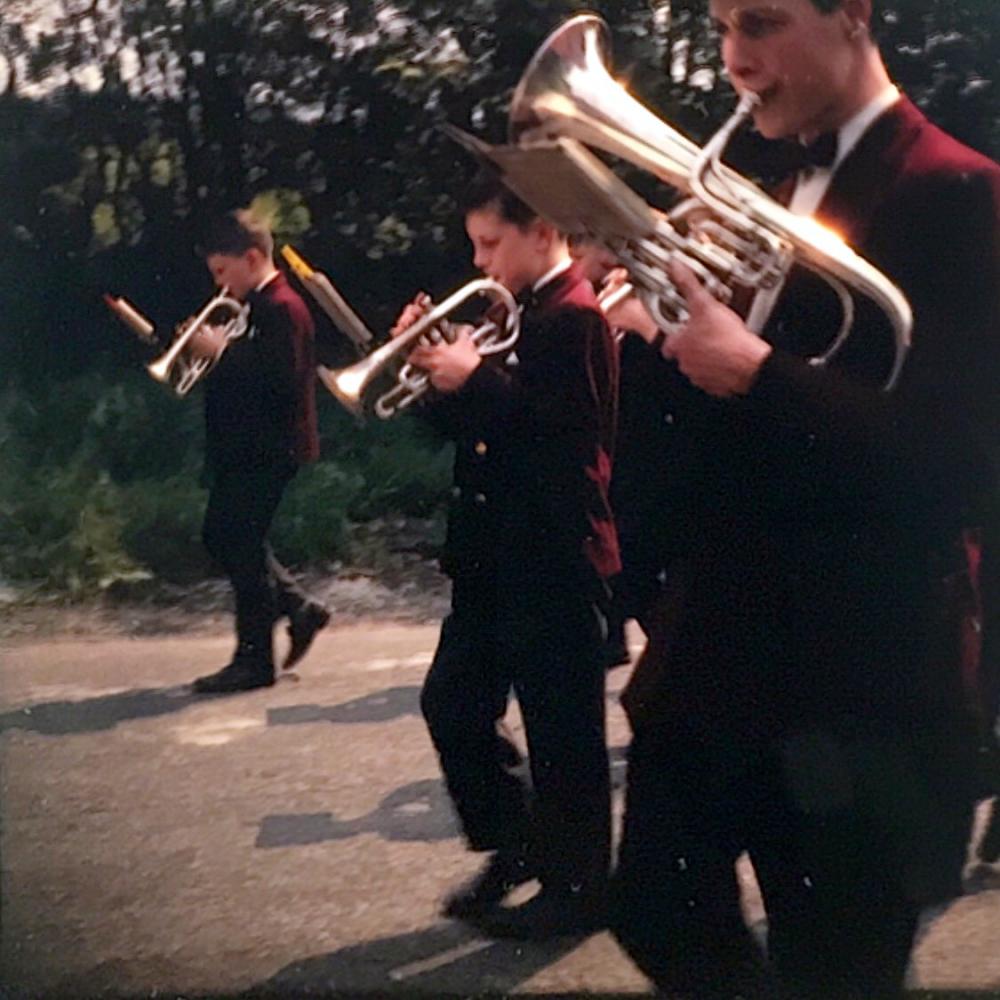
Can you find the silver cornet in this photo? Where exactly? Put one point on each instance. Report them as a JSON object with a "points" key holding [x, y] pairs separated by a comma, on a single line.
{"points": [[181, 370], [175, 365], [355, 386]]}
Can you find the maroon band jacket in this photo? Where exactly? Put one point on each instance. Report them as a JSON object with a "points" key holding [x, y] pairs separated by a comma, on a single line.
{"points": [[260, 400], [533, 438], [814, 523]]}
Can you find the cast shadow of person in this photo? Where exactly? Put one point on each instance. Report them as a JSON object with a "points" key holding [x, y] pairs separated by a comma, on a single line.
{"points": [[379, 706], [89, 715], [61, 718], [445, 959], [417, 811]]}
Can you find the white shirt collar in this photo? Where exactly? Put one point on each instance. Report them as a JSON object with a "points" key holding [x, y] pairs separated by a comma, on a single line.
{"points": [[552, 273], [274, 274], [811, 185], [854, 128]]}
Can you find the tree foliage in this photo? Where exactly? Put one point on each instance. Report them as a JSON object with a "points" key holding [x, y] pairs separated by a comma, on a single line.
{"points": [[124, 123]]}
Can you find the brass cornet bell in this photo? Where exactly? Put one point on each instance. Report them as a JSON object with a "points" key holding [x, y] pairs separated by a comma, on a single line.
{"points": [[361, 386]]}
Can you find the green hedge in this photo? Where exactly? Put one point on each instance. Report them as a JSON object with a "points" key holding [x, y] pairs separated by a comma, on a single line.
{"points": [[99, 485]]}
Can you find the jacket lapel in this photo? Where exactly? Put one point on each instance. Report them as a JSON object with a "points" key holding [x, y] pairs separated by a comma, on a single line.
{"points": [[862, 181]]}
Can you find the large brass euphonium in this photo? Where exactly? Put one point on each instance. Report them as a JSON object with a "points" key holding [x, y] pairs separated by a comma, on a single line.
{"points": [[727, 230], [362, 387]]}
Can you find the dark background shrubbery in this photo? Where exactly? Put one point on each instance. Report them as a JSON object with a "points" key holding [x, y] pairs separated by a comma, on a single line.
{"points": [[326, 116]]}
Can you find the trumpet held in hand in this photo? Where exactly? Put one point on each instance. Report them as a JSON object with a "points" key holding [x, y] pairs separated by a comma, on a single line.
{"points": [[200, 342], [361, 387]]}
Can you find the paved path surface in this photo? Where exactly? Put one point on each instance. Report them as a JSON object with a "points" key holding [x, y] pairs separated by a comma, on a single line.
{"points": [[295, 839]]}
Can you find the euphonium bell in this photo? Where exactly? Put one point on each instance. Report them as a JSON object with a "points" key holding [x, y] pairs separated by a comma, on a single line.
{"points": [[361, 387]]}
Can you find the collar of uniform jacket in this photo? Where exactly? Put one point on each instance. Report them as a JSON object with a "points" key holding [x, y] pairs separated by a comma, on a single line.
{"points": [[542, 289]]}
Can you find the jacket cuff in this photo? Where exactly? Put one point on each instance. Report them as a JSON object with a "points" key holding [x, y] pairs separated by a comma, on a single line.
{"points": [[783, 380]]}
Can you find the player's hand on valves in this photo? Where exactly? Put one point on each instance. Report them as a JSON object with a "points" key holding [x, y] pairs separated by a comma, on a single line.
{"points": [[628, 313], [208, 342], [448, 365], [412, 312], [714, 349]]}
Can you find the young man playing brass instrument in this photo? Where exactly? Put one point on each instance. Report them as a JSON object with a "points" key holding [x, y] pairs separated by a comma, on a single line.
{"points": [[807, 704], [529, 540], [260, 426]]}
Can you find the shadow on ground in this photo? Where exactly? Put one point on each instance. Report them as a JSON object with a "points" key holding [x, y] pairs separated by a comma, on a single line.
{"points": [[380, 706], [60, 718], [419, 810], [439, 960]]}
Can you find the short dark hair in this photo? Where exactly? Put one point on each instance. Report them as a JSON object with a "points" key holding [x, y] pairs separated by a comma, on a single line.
{"points": [[829, 6], [487, 190], [236, 232]]}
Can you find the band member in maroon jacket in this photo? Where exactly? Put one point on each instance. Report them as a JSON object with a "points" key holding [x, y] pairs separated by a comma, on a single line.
{"points": [[260, 426], [640, 480], [807, 704], [530, 538]]}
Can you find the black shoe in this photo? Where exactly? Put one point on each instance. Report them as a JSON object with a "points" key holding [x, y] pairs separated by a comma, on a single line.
{"points": [[240, 675], [504, 871], [303, 624], [551, 913]]}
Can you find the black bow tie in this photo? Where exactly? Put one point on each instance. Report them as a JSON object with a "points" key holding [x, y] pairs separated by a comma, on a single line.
{"points": [[786, 157], [527, 298], [821, 152], [772, 160]]}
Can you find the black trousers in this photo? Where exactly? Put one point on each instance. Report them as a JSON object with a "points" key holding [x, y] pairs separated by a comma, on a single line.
{"points": [[839, 925], [241, 507], [546, 644]]}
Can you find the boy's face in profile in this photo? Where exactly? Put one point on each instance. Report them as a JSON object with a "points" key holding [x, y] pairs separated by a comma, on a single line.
{"points": [[512, 255], [240, 273]]}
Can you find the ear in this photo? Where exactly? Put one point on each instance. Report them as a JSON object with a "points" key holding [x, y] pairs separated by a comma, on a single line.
{"points": [[858, 17], [254, 257], [545, 233]]}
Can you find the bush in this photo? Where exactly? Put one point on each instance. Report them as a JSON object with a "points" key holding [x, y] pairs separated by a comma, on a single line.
{"points": [[405, 471], [76, 508], [63, 527], [99, 484], [162, 529], [311, 524]]}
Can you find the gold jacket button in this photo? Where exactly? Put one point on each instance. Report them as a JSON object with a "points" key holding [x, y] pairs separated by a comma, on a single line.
{"points": [[481, 448]]}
